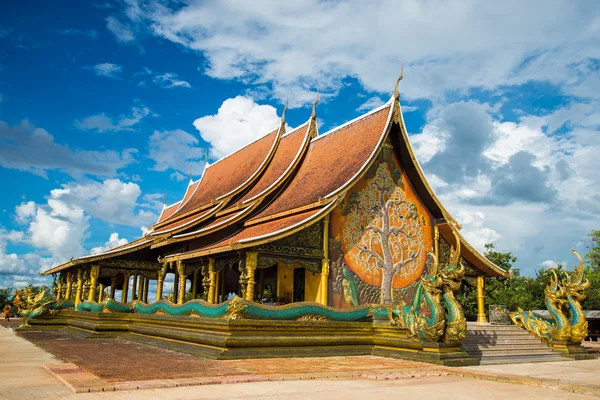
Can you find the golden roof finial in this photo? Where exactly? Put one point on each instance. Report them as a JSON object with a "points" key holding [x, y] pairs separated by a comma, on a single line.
{"points": [[165, 198], [284, 110], [314, 109], [206, 156], [191, 177], [396, 91]]}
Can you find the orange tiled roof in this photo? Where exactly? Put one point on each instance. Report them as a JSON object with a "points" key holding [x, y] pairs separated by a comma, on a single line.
{"points": [[231, 172], [289, 149], [256, 232], [331, 161], [168, 211], [180, 223], [222, 220]]}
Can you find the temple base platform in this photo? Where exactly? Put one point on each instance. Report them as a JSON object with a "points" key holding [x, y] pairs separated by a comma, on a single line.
{"points": [[222, 339], [574, 351]]}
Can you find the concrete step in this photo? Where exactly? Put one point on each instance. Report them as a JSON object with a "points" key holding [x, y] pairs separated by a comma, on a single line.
{"points": [[495, 328], [506, 346], [508, 352], [500, 341], [503, 335], [491, 360]]}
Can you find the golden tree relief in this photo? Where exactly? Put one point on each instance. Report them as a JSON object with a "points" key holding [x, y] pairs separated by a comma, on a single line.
{"points": [[383, 233]]}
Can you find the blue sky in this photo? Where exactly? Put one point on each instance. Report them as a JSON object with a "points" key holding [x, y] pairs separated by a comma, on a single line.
{"points": [[104, 105]]}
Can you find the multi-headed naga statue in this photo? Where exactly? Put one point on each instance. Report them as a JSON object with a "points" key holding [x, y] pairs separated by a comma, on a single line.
{"points": [[564, 293]]}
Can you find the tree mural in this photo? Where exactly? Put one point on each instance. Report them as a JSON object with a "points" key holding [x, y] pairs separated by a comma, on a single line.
{"points": [[383, 232]]}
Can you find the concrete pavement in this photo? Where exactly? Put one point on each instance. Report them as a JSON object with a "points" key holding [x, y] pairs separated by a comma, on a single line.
{"points": [[22, 377]]}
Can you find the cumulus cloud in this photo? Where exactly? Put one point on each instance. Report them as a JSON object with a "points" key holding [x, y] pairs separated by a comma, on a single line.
{"points": [[103, 123], [107, 69], [239, 121], [516, 184], [58, 229], [176, 150], [27, 148], [112, 201], [268, 43], [113, 241]]}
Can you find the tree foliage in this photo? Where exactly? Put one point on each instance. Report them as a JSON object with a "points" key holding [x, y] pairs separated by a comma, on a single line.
{"points": [[6, 297], [592, 257]]}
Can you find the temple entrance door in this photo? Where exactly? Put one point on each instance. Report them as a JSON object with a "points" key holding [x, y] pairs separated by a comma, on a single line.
{"points": [[299, 276]]}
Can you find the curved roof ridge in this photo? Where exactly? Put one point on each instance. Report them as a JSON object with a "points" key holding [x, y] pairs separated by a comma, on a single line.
{"points": [[290, 167], [244, 146], [320, 175], [289, 226], [376, 149], [209, 228], [260, 168], [345, 124], [165, 208], [182, 226]]}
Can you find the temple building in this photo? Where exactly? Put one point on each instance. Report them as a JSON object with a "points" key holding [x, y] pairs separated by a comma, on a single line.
{"points": [[343, 218]]}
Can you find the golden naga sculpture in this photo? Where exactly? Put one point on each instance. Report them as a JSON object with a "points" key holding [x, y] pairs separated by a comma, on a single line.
{"points": [[30, 304], [576, 285], [563, 297], [446, 319]]}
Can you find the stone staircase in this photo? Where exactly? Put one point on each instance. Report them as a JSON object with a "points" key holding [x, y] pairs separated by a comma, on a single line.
{"points": [[505, 344]]}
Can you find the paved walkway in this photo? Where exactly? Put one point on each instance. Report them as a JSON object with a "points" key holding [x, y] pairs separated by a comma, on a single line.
{"points": [[22, 377], [578, 373], [21, 372]]}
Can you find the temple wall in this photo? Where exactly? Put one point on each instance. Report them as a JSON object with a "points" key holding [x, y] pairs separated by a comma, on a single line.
{"points": [[285, 282], [378, 239], [311, 289]]}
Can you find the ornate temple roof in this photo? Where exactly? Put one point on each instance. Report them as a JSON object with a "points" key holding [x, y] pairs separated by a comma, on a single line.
{"points": [[282, 183]]}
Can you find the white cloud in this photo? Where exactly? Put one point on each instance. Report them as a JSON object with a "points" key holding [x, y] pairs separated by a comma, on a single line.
{"points": [[177, 176], [102, 123], [371, 104], [58, 229], [113, 241], [27, 148], [239, 121], [169, 80], [121, 31], [112, 201], [528, 190], [107, 69], [443, 49], [177, 150]]}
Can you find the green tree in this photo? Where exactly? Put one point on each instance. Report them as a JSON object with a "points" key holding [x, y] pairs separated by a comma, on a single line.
{"points": [[592, 257], [592, 271], [6, 297]]}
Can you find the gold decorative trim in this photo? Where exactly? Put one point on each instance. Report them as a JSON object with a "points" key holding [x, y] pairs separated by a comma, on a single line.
{"points": [[127, 248]]}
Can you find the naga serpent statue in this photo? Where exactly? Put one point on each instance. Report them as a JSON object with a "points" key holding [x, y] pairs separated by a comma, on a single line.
{"points": [[563, 296], [33, 305], [422, 327], [575, 286], [555, 329], [447, 323]]}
